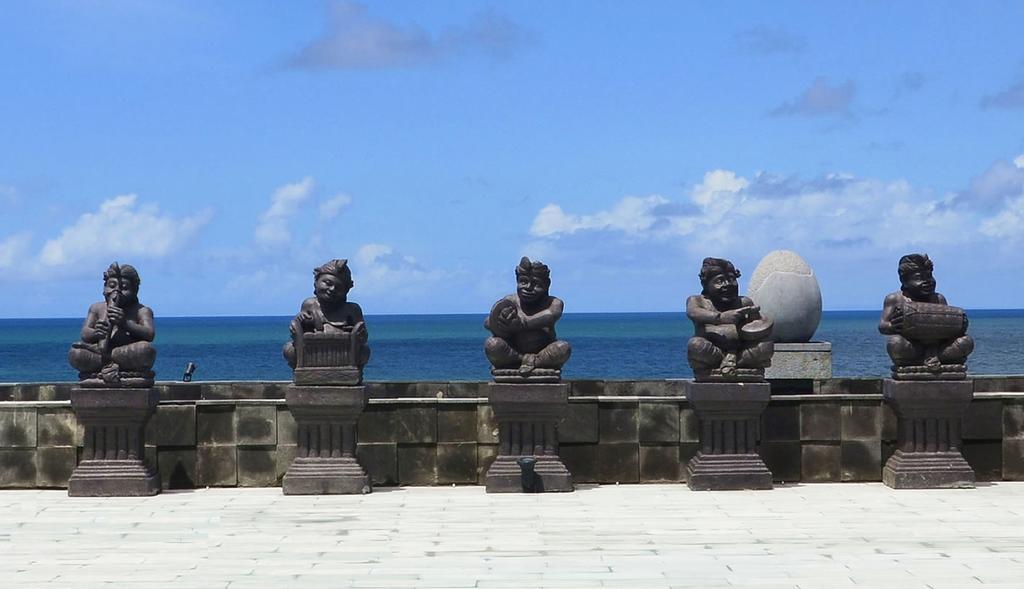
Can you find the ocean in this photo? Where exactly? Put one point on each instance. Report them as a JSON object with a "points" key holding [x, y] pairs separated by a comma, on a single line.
{"points": [[450, 347]]}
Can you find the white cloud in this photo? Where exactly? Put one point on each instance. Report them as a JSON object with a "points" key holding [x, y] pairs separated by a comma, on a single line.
{"points": [[272, 228], [728, 212], [820, 99], [381, 269], [354, 39], [330, 208], [1019, 161], [120, 228], [630, 215], [13, 248]]}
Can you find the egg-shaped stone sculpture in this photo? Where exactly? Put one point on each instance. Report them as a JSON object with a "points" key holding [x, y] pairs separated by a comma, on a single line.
{"points": [[785, 288]]}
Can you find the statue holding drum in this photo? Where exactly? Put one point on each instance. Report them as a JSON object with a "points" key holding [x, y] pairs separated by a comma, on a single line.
{"points": [[927, 337], [731, 341]]}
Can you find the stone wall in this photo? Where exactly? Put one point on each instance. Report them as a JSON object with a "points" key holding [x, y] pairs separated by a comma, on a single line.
{"points": [[242, 434]]}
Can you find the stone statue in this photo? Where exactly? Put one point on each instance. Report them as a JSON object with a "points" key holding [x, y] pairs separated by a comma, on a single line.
{"points": [[524, 347], [731, 341], [116, 348], [927, 337], [329, 323]]}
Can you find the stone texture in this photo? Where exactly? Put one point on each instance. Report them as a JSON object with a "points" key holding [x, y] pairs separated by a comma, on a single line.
{"points": [[861, 421], [177, 468], [861, 460], [582, 461], [256, 425], [820, 421], [659, 422], [173, 425], [456, 423], [380, 461], [659, 463], [983, 420], [114, 458], [415, 425], [783, 459], [580, 424], [1013, 459], [377, 424], [820, 463], [1013, 420], [781, 422], [17, 468], [928, 453], [485, 456], [287, 431], [456, 463], [618, 462], [54, 466], [784, 286], [18, 427], [618, 422], [486, 425], [257, 467], [808, 361], [216, 466], [325, 461], [57, 426], [528, 416], [417, 465], [730, 415], [215, 424], [985, 458]]}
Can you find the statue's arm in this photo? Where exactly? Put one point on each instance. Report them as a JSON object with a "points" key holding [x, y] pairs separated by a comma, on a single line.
{"points": [[142, 328], [939, 298], [306, 309], [888, 308], [89, 333], [699, 313], [546, 318]]}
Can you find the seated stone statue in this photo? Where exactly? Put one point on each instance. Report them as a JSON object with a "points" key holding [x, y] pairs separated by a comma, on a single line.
{"points": [[524, 345], [116, 348], [330, 312], [731, 339], [927, 337]]}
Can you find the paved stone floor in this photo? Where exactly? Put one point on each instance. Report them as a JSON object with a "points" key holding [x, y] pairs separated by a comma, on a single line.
{"points": [[821, 535]]}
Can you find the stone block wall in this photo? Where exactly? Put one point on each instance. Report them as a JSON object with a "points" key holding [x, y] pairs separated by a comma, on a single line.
{"points": [[242, 434]]}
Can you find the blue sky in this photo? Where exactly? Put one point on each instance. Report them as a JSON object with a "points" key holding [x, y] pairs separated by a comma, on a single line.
{"points": [[226, 149]]}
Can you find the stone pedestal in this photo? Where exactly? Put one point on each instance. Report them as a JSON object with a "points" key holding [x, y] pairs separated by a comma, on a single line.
{"points": [[528, 416], [807, 361], [113, 459], [326, 463], [929, 416], [730, 417]]}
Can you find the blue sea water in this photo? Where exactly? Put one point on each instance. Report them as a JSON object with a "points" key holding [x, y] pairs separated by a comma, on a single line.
{"points": [[450, 347]]}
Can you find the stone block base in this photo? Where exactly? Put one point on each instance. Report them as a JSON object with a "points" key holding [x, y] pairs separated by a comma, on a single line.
{"points": [[928, 470], [929, 424], [505, 476], [325, 476], [807, 361], [113, 478], [727, 472], [730, 416]]}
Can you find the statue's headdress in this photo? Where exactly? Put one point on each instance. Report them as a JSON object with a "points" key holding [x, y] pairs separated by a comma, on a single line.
{"points": [[537, 268], [337, 268], [712, 267], [911, 263], [122, 272]]}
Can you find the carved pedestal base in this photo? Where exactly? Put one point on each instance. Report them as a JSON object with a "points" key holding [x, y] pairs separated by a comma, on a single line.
{"points": [[113, 459], [326, 423], [730, 415], [528, 416], [929, 415]]}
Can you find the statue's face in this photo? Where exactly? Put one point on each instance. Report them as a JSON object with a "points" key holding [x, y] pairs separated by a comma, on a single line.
{"points": [[531, 288], [330, 289], [919, 284], [722, 288], [121, 291]]}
